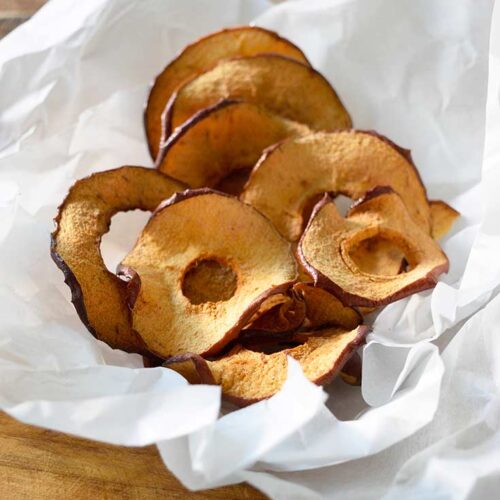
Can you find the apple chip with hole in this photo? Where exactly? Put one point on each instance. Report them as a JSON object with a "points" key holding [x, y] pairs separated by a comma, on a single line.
{"points": [[247, 376], [282, 85], [202, 55], [200, 269], [347, 162], [325, 247], [83, 218], [221, 142]]}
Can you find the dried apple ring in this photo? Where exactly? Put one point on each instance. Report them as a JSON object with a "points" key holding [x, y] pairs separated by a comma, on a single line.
{"points": [[325, 246], [98, 295], [202, 266], [282, 85], [348, 162], [221, 139], [246, 376], [203, 54]]}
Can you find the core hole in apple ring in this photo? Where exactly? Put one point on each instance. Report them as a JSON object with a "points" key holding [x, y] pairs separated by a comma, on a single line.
{"points": [[379, 256], [342, 202], [209, 280]]}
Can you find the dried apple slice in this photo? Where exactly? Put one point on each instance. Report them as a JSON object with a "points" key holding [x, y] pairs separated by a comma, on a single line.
{"points": [[324, 249], [279, 313], [222, 139], [324, 309], [82, 219], [246, 376], [442, 218], [282, 85], [202, 266], [347, 162], [203, 54]]}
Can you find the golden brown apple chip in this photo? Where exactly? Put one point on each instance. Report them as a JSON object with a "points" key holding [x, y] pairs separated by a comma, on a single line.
{"points": [[246, 376], [282, 85], [279, 313], [346, 162], [442, 218], [325, 248], [200, 269], [324, 309], [220, 140], [202, 55], [84, 216]]}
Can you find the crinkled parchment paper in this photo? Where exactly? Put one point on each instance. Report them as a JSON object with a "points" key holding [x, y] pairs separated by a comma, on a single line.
{"points": [[426, 423]]}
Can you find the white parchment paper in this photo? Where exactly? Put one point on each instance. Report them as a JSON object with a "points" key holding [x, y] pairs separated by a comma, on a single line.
{"points": [[426, 423]]}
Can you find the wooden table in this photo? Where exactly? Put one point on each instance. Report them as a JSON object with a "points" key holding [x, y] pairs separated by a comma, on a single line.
{"points": [[40, 464]]}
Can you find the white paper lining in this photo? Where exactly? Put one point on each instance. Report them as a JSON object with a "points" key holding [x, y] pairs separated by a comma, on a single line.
{"points": [[71, 103]]}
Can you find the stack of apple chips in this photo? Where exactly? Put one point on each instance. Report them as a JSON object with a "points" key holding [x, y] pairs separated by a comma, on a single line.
{"points": [[247, 258]]}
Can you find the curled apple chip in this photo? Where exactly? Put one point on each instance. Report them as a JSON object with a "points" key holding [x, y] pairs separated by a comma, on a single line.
{"points": [[348, 162], [324, 309], [222, 139], [279, 313], [282, 85], [201, 267], [246, 376], [202, 55], [442, 217], [84, 216], [325, 246]]}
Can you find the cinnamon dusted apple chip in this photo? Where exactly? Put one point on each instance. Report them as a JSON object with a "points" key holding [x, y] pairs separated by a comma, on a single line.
{"points": [[324, 309], [442, 218], [82, 219], [282, 85], [203, 54], [325, 248], [246, 376], [221, 140], [346, 162], [202, 266]]}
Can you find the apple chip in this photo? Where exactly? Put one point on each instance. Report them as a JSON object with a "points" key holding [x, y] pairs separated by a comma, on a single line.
{"points": [[84, 216], [282, 85], [347, 162], [220, 140], [442, 218], [279, 313], [246, 376], [324, 309], [325, 247], [202, 55], [202, 266]]}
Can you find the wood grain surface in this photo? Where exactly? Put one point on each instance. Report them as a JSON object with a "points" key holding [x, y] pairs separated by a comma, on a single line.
{"points": [[40, 464]]}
